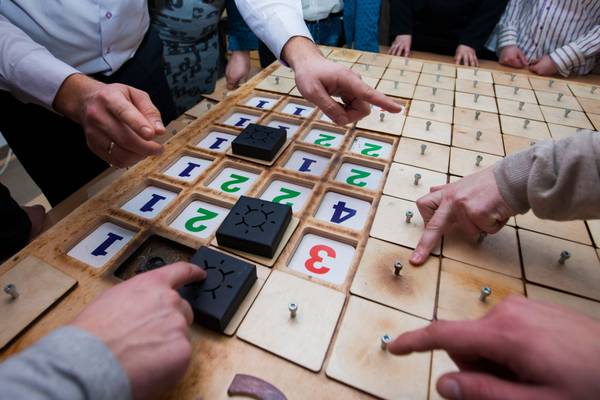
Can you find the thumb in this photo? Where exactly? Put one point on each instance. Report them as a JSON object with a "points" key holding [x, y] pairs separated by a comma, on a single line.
{"points": [[476, 385], [141, 100]]}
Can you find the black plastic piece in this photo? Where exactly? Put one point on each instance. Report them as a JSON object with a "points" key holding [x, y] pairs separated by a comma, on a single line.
{"points": [[260, 142], [216, 299], [254, 226]]}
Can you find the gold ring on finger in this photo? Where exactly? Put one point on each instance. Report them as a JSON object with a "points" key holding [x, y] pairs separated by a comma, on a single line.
{"points": [[110, 147]]}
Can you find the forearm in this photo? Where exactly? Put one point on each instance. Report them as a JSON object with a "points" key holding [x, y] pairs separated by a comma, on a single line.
{"points": [[67, 364], [483, 23], [28, 70], [577, 52], [558, 180], [275, 22], [401, 17], [507, 27]]}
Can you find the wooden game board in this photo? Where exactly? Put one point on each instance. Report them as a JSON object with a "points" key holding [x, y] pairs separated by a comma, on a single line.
{"points": [[350, 188]]}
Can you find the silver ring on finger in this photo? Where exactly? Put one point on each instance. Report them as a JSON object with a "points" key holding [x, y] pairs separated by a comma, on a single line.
{"points": [[110, 147]]}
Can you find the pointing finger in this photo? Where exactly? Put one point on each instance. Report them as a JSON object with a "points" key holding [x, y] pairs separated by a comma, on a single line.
{"points": [[434, 230]]}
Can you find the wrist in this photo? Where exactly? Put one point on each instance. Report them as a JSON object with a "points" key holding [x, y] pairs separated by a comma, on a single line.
{"points": [[300, 50], [72, 93]]}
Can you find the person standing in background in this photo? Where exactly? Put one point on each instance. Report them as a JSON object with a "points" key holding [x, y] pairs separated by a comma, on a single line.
{"points": [[457, 27]]}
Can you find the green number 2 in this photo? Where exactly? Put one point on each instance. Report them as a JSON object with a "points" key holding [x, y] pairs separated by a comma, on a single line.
{"points": [[369, 148], [287, 194], [323, 139], [192, 224], [229, 186], [357, 174]]}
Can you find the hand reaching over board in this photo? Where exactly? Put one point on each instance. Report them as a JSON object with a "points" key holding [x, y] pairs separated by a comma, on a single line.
{"points": [[144, 321], [548, 353], [119, 121], [318, 79], [473, 203], [466, 55], [401, 46]]}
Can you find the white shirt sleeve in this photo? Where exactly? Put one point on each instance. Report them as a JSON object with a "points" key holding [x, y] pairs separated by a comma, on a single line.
{"points": [[27, 69], [274, 21]]}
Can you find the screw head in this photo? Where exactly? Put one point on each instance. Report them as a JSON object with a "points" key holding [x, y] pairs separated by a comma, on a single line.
{"points": [[485, 292], [385, 340], [397, 268], [293, 309]]}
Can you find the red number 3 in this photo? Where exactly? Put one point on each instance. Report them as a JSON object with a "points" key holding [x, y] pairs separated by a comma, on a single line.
{"points": [[316, 258]]}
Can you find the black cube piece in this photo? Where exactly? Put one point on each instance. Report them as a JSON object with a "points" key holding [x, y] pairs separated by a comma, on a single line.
{"points": [[216, 299], [260, 142], [254, 226]]}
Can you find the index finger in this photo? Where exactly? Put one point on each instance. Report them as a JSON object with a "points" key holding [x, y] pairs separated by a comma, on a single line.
{"points": [[355, 88], [434, 230], [178, 274]]}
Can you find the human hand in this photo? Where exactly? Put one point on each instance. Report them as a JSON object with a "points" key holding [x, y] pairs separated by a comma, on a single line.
{"points": [[522, 349], [237, 69], [513, 57], [544, 66], [466, 55], [119, 121], [144, 322], [401, 46], [318, 79], [473, 204]]}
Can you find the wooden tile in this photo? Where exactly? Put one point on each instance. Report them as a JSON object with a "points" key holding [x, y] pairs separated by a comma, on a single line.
{"points": [[585, 91], [401, 181], [262, 273], [559, 100], [477, 140], [516, 93], [390, 224], [431, 131], [570, 230], [371, 71], [397, 89], [277, 84], [594, 226], [310, 331], [371, 82], [390, 123], [498, 252], [463, 162], [476, 119], [439, 81], [595, 118], [434, 95], [476, 102], [474, 74], [578, 304], [561, 131], [345, 64], [346, 55], [466, 86], [369, 145], [441, 364], [535, 130], [510, 79], [590, 105], [558, 116], [579, 275], [514, 144], [549, 85], [358, 360], [284, 71], [435, 156], [39, 286], [439, 69], [413, 291], [422, 109], [408, 64], [401, 75], [460, 290], [296, 92], [380, 60], [520, 109]]}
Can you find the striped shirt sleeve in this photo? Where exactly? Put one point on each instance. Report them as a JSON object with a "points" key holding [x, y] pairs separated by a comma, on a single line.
{"points": [[508, 25], [578, 52]]}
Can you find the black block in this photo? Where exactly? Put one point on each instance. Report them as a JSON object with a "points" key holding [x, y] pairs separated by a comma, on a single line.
{"points": [[260, 142], [216, 299], [254, 226]]}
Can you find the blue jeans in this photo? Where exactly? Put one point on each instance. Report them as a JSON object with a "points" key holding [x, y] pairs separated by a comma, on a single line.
{"points": [[327, 32]]}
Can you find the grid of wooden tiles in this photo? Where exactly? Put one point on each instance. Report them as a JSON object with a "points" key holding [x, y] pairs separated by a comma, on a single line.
{"points": [[353, 189]]}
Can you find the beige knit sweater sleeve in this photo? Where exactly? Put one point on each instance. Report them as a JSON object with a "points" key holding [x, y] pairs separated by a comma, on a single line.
{"points": [[558, 180]]}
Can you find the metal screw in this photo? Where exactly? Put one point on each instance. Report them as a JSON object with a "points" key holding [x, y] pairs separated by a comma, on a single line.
{"points": [[277, 80], [208, 106], [475, 83], [434, 91], [423, 148], [478, 160], [521, 106], [567, 112], [395, 84], [477, 115], [11, 290], [476, 97], [439, 67], [550, 83], [532, 143], [516, 90], [397, 268], [406, 61], [478, 135], [512, 77], [293, 308], [526, 124], [385, 340], [417, 179], [564, 256], [560, 96], [401, 72], [409, 215], [431, 107], [427, 125], [366, 67], [485, 293], [381, 117], [475, 71], [437, 78], [593, 89]]}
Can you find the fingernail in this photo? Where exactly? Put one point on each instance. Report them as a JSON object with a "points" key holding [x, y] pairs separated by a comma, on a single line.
{"points": [[416, 258], [147, 131], [450, 389], [159, 125]]}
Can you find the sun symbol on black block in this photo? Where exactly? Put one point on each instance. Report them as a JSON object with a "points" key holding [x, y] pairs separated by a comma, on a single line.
{"points": [[259, 136], [255, 218], [217, 277]]}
